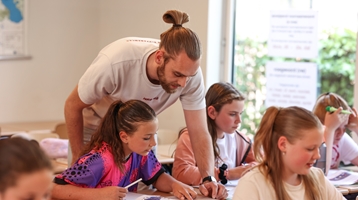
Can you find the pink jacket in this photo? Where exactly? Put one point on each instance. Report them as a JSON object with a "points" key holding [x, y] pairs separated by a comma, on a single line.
{"points": [[185, 168]]}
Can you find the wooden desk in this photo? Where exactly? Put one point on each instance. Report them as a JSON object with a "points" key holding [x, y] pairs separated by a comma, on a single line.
{"points": [[352, 191], [132, 196]]}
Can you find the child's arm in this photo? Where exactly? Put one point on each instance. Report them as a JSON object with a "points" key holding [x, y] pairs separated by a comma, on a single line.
{"points": [[184, 166], [166, 183], [236, 172], [68, 192], [332, 121]]}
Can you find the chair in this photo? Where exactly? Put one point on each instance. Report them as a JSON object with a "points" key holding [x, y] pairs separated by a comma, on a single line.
{"points": [[61, 130]]}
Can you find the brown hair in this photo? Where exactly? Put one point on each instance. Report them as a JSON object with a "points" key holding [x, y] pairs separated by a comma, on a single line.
{"points": [[120, 117], [19, 156], [288, 122], [178, 38], [218, 95], [328, 99]]}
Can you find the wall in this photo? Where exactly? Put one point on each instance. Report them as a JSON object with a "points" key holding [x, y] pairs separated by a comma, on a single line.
{"points": [[64, 38]]}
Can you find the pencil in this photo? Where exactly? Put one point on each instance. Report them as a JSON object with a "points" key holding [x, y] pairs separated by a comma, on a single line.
{"points": [[135, 182]]}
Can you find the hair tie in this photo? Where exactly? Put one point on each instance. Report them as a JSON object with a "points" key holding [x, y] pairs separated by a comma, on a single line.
{"points": [[177, 25]]}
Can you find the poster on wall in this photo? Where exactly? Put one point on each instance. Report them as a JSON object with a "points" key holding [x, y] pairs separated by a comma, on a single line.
{"points": [[293, 34], [13, 30], [291, 84]]}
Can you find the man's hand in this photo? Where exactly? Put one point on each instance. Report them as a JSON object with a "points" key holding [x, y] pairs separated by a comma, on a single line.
{"points": [[214, 190]]}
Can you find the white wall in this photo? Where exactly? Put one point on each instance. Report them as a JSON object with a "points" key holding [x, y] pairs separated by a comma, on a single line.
{"points": [[63, 39]]}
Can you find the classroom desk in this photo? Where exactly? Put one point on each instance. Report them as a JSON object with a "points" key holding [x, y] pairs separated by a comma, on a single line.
{"points": [[135, 196], [351, 192]]}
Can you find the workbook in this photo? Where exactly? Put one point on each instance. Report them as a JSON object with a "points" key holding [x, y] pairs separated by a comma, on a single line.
{"points": [[340, 177]]}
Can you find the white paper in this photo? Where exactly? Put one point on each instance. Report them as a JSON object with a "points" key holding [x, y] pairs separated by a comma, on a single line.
{"points": [[293, 34], [151, 197], [342, 177], [291, 84]]}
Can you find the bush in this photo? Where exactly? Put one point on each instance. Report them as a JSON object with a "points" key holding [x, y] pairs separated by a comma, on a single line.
{"points": [[336, 64]]}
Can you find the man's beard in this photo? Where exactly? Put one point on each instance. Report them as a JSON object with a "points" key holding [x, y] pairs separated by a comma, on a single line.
{"points": [[163, 81]]}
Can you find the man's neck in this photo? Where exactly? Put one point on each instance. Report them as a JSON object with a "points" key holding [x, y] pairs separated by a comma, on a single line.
{"points": [[151, 69]]}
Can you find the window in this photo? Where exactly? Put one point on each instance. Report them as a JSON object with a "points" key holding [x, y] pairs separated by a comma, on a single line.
{"points": [[337, 34]]}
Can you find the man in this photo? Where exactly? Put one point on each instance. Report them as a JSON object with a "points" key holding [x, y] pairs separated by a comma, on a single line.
{"points": [[156, 72]]}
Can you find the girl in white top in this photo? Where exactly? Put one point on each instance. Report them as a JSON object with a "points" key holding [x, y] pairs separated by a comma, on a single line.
{"points": [[286, 146], [343, 148]]}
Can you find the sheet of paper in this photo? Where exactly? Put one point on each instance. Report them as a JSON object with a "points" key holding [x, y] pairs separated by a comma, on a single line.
{"points": [[342, 177]]}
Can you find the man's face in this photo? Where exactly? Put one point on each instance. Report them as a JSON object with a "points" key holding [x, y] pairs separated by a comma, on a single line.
{"points": [[174, 73]]}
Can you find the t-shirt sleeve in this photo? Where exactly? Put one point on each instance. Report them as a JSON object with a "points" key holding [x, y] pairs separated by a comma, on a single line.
{"points": [[150, 168], [349, 148], [98, 80], [193, 96], [86, 172], [184, 166], [330, 191], [246, 190]]}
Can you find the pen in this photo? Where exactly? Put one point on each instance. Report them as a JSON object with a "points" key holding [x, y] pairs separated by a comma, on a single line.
{"points": [[332, 109], [128, 186]]}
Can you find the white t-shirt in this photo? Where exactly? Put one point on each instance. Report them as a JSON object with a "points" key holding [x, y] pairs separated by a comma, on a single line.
{"points": [[346, 150], [255, 186], [227, 146], [119, 73]]}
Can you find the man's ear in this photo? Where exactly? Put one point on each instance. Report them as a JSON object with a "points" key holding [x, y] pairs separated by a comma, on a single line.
{"points": [[159, 57], [212, 112], [123, 136], [281, 144]]}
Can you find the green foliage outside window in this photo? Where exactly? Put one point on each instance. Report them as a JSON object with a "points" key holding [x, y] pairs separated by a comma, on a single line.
{"points": [[336, 64]]}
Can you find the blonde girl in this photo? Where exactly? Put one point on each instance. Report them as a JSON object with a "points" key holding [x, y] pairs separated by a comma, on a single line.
{"points": [[286, 145]]}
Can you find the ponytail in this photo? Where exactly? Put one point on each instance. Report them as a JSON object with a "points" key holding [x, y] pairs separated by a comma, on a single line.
{"points": [[289, 123], [120, 117]]}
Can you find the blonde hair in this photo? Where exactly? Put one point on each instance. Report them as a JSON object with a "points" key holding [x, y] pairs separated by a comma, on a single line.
{"points": [[328, 99], [290, 123], [178, 38]]}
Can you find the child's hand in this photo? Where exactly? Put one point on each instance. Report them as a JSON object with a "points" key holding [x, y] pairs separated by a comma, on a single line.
{"points": [[217, 172], [112, 193], [333, 120], [353, 121], [183, 191]]}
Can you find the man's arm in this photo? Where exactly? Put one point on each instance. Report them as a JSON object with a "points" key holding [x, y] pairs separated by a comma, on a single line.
{"points": [[201, 140], [74, 122]]}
